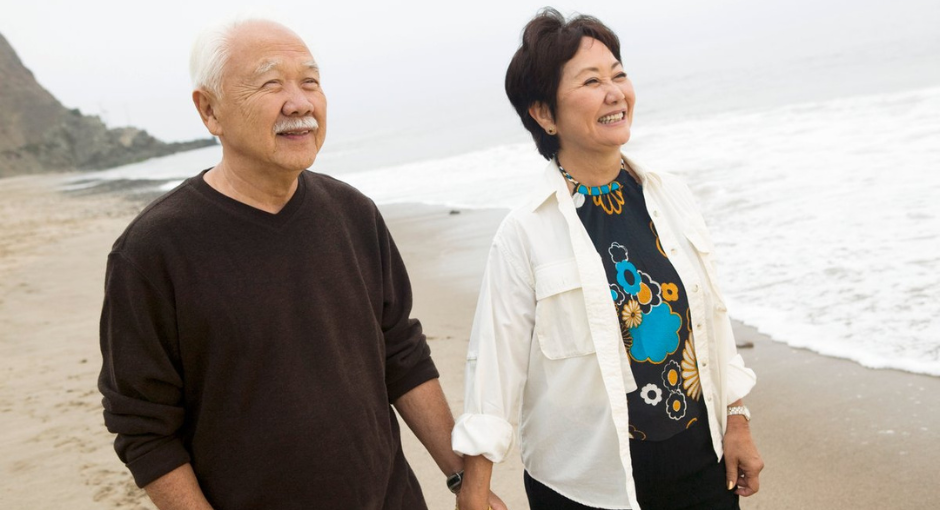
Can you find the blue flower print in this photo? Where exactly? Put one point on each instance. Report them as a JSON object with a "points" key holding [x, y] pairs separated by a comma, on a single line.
{"points": [[628, 277], [657, 336], [617, 295]]}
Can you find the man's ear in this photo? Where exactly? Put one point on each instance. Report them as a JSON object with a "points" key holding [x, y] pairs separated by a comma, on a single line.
{"points": [[205, 104], [540, 112]]}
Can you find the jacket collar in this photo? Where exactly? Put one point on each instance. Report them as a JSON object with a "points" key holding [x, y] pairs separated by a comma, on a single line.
{"points": [[553, 183]]}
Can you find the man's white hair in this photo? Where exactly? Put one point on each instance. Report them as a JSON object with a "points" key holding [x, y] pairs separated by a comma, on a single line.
{"points": [[210, 51]]}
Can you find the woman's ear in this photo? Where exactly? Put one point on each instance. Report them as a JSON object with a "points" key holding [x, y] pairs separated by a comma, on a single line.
{"points": [[541, 113]]}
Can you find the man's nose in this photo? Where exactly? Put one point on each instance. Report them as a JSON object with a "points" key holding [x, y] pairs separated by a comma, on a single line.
{"points": [[297, 103]]}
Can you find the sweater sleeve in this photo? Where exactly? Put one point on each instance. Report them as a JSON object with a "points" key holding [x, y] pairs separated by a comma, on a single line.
{"points": [[407, 355], [140, 376]]}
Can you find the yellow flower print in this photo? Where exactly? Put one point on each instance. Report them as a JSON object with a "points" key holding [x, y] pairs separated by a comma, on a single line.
{"points": [[670, 291], [611, 202], [636, 433], [627, 337], [645, 295], [659, 245], [690, 379], [676, 406], [671, 376], [631, 315]]}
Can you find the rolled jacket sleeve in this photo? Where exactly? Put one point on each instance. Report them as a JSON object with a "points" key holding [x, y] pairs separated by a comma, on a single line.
{"points": [[740, 379], [736, 379], [498, 355]]}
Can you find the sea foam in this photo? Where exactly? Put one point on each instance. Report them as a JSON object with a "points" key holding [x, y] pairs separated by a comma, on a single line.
{"points": [[826, 215]]}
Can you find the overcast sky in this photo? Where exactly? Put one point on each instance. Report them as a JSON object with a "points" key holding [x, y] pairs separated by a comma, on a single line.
{"points": [[383, 61]]}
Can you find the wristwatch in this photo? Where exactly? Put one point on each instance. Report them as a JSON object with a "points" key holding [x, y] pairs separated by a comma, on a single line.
{"points": [[454, 481], [742, 410]]}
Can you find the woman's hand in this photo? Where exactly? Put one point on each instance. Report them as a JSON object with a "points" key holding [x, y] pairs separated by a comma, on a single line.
{"points": [[492, 502], [496, 503], [742, 461], [475, 493]]}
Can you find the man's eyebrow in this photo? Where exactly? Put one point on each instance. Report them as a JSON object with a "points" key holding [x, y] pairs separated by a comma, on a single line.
{"points": [[267, 65]]}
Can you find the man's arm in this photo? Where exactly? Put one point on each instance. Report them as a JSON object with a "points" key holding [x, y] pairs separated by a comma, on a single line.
{"points": [[177, 490], [427, 414]]}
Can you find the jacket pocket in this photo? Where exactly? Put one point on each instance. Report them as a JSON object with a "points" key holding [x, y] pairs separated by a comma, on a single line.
{"points": [[561, 323], [705, 251]]}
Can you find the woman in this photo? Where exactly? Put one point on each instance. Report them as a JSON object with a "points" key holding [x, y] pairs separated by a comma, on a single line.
{"points": [[600, 330]]}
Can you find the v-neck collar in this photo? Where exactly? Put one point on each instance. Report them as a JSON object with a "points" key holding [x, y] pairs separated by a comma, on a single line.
{"points": [[270, 220]]}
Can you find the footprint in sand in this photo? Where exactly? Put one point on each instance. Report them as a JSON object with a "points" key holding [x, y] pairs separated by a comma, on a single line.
{"points": [[116, 489]]}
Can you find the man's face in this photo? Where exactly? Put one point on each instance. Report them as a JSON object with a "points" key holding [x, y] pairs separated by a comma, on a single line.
{"points": [[271, 101]]}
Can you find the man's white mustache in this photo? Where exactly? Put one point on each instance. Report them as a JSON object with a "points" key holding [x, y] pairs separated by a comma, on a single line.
{"points": [[296, 124]]}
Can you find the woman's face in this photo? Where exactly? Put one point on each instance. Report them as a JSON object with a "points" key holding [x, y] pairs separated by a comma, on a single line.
{"points": [[595, 101]]}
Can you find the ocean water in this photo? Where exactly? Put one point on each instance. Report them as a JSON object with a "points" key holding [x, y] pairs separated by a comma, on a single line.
{"points": [[826, 215]]}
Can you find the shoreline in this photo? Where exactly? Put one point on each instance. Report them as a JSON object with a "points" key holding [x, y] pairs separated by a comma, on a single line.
{"points": [[834, 435]]}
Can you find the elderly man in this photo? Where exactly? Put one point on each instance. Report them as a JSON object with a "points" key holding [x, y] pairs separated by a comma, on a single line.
{"points": [[256, 328]]}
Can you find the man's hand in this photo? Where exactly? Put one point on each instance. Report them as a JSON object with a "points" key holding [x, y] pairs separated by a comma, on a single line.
{"points": [[742, 461]]}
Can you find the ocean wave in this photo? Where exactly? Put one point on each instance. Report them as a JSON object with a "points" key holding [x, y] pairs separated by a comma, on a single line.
{"points": [[825, 214]]}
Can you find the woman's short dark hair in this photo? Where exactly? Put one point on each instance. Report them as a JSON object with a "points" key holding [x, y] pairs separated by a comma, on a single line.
{"points": [[548, 42]]}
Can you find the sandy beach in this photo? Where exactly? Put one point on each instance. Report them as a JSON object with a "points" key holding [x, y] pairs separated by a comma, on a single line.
{"points": [[834, 435]]}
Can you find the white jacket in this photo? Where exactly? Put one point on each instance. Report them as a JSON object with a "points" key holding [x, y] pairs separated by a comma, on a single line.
{"points": [[546, 351]]}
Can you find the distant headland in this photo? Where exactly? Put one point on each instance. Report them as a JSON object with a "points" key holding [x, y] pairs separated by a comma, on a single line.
{"points": [[38, 134]]}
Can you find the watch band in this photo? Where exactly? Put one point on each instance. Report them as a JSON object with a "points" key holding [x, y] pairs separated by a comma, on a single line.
{"points": [[454, 481], [742, 410]]}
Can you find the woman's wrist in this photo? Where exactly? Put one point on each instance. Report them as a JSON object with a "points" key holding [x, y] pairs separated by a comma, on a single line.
{"points": [[476, 483]]}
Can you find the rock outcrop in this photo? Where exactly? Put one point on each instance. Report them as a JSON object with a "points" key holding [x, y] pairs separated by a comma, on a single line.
{"points": [[38, 134]]}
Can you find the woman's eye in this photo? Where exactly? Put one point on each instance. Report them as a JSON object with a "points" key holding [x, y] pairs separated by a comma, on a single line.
{"points": [[621, 76], [592, 81]]}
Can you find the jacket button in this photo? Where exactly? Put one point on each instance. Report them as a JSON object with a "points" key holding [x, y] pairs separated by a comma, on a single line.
{"points": [[694, 287]]}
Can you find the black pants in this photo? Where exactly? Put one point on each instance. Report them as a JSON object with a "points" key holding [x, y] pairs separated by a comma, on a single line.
{"points": [[680, 473]]}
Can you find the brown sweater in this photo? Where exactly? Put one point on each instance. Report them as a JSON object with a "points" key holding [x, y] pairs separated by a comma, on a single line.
{"points": [[263, 349]]}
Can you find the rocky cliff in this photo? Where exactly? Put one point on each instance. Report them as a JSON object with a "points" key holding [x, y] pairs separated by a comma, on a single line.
{"points": [[38, 134]]}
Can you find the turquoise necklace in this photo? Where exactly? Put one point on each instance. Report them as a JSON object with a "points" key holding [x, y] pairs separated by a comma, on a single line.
{"points": [[591, 191]]}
